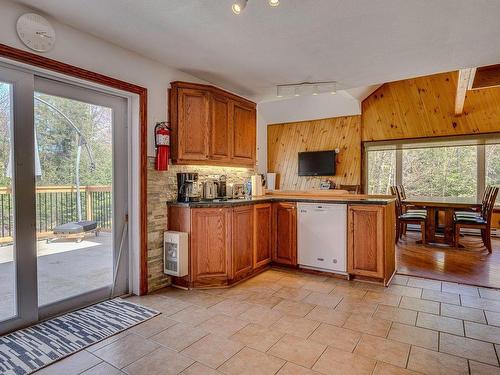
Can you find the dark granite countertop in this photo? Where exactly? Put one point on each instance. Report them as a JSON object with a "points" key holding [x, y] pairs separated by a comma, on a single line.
{"points": [[240, 202]]}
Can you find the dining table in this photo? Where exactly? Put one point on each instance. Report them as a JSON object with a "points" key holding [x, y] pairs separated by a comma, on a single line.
{"points": [[447, 205]]}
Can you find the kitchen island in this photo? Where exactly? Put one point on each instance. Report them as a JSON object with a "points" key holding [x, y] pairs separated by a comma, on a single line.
{"points": [[232, 240]]}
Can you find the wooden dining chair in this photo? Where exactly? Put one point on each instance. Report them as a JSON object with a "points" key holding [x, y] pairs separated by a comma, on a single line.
{"points": [[476, 212], [407, 207], [405, 218], [480, 221]]}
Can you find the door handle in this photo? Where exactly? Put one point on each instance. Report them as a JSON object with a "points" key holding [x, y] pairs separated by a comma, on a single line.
{"points": [[320, 259]]}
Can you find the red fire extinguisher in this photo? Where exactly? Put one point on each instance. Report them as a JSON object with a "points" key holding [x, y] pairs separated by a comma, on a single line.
{"points": [[162, 145]]}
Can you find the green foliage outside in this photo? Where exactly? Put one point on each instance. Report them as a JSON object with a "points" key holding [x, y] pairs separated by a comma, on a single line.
{"points": [[440, 172], [58, 141], [433, 172], [381, 171]]}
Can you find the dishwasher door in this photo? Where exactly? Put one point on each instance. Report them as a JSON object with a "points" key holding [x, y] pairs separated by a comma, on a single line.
{"points": [[321, 236]]}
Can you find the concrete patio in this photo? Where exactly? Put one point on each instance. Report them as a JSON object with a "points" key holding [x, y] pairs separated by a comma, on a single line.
{"points": [[65, 268]]}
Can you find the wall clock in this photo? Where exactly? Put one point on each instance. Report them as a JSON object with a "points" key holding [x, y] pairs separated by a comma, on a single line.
{"points": [[36, 32]]}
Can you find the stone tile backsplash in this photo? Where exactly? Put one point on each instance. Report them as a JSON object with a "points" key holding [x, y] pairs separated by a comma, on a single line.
{"points": [[162, 187]]}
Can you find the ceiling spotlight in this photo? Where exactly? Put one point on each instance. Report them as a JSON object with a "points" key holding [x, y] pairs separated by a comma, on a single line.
{"points": [[238, 6], [296, 91], [316, 90], [274, 3]]}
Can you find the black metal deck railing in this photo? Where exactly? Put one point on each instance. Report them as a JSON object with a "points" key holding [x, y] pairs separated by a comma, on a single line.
{"points": [[56, 205]]}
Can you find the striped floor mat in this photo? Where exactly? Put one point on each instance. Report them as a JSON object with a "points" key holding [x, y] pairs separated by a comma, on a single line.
{"points": [[29, 349]]}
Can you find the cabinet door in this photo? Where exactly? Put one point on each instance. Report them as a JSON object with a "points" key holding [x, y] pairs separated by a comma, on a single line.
{"points": [[193, 124], [244, 133], [262, 234], [366, 240], [210, 240], [242, 244], [220, 127], [285, 233]]}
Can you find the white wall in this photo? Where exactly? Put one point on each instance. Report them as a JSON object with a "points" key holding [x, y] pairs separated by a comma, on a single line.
{"points": [[85, 51], [261, 142], [311, 107]]}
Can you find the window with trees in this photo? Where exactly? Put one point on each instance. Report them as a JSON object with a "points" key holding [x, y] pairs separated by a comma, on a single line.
{"points": [[381, 171], [459, 167]]}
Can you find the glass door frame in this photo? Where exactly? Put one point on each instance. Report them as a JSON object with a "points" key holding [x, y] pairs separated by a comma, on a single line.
{"points": [[23, 185], [24, 83], [118, 105]]}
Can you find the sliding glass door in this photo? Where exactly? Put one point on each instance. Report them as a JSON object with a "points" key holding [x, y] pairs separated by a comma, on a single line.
{"points": [[18, 292], [71, 205], [80, 171]]}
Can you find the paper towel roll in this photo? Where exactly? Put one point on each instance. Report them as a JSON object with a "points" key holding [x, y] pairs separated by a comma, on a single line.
{"points": [[271, 181], [257, 185]]}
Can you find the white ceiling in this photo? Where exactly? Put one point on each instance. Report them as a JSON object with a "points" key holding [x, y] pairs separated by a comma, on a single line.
{"points": [[355, 42]]}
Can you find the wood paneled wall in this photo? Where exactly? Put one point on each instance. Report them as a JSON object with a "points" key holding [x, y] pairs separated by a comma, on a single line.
{"points": [[285, 141], [424, 107]]}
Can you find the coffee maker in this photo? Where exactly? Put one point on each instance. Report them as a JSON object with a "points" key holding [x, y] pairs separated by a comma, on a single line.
{"points": [[221, 187], [187, 187]]}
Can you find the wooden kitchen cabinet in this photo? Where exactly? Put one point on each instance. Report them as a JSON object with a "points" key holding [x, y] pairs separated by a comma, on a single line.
{"points": [[210, 246], [263, 219], [370, 242], [211, 126], [242, 241], [193, 124], [220, 137], [243, 133], [285, 233]]}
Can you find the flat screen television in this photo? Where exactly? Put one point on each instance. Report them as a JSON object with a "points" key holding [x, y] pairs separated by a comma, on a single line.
{"points": [[317, 163]]}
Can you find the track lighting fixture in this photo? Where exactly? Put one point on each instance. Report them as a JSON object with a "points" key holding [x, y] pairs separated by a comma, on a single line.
{"points": [[306, 88], [239, 5]]}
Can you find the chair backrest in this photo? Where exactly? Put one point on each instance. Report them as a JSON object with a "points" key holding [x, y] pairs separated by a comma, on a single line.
{"points": [[399, 204], [356, 189], [402, 191], [485, 199], [490, 204]]}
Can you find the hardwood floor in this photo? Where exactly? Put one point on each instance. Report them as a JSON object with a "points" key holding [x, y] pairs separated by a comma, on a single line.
{"points": [[470, 265]]}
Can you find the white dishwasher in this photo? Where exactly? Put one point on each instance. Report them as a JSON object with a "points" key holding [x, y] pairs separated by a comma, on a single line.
{"points": [[321, 236]]}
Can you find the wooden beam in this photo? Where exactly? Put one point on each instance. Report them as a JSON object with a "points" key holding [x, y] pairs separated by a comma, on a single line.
{"points": [[486, 76], [464, 77]]}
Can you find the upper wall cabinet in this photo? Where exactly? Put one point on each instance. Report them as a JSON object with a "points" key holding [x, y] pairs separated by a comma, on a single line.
{"points": [[211, 126], [193, 124], [244, 133]]}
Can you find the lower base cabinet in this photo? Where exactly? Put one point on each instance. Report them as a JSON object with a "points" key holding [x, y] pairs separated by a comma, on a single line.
{"points": [[210, 246], [242, 242], [285, 233], [263, 233], [370, 241]]}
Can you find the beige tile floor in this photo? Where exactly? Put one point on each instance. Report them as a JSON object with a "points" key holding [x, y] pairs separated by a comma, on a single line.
{"points": [[285, 322]]}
